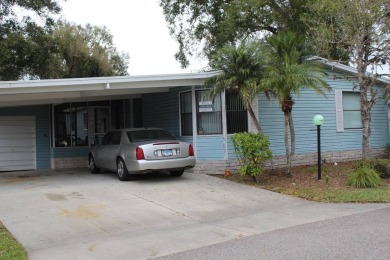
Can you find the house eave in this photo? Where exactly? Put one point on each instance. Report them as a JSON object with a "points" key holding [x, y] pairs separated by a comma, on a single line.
{"points": [[53, 91], [164, 80], [344, 68]]}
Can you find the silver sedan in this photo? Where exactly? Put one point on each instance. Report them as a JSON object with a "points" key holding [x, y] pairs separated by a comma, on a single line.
{"points": [[141, 150]]}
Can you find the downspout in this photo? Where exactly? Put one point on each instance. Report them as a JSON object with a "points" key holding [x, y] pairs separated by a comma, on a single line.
{"points": [[224, 126], [194, 122], [52, 127]]}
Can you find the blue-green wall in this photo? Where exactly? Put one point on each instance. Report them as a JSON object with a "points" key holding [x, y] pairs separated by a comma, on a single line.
{"points": [[162, 110], [310, 104]]}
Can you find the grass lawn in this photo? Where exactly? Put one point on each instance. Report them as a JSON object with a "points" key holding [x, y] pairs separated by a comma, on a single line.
{"points": [[9, 247], [304, 184]]}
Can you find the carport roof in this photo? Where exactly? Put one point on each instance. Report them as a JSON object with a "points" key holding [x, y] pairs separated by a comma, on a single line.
{"points": [[54, 91]]}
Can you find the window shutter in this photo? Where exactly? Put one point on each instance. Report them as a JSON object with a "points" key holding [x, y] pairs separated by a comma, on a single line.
{"points": [[255, 108], [339, 110]]}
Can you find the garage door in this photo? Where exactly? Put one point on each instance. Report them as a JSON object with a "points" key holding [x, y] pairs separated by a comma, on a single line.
{"points": [[17, 143]]}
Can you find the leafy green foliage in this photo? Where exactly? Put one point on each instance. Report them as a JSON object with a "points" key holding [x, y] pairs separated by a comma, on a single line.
{"points": [[88, 52], [252, 150], [286, 74], [362, 28], [37, 48], [242, 69], [364, 177], [25, 45], [286, 70], [212, 24], [381, 166]]}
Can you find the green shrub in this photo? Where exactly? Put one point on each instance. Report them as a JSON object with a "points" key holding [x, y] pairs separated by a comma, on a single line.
{"points": [[382, 166], [252, 150], [364, 177]]}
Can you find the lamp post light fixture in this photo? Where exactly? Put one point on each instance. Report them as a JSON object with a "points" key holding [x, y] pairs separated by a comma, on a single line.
{"points": [[318, 120]]}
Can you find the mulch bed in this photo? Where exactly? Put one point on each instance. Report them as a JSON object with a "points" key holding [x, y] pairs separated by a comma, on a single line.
{"points": [[333, 176]]}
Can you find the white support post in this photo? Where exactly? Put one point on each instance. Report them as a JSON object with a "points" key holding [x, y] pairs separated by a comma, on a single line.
{"points": [[194, 121], [224, 125]]}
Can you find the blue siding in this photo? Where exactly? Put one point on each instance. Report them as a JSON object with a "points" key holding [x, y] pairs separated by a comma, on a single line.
{"points": [[210, 148], [230, 147], [310, 104], [42, 121], [162, 110]]}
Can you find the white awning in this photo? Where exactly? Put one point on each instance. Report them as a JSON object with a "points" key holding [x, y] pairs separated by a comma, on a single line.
{"points": [[35, 92]]}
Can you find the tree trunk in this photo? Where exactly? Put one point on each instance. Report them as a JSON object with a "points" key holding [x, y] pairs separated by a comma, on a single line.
{"points": [[366, 84], [287, 145], [286, 107], [292, 135], [366, 125], [253, 117]]}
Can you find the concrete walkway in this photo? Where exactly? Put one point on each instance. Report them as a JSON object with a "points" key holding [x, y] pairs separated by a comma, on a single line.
{"points": [[75, 215]]}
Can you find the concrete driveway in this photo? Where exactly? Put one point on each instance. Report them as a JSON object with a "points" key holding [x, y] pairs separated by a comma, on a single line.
{"points": [[76, 215]]}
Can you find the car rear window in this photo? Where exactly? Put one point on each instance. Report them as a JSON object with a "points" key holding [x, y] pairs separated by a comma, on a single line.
{"points": [[149, 135]]}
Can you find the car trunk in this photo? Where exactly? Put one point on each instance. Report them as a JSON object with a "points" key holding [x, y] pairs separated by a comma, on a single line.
{"points": [[162, 150]]}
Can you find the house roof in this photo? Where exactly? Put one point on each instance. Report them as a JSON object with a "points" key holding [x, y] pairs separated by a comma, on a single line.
{"points": [[55, 91], [344, 68]]}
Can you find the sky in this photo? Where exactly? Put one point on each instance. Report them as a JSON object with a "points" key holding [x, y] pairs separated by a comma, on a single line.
{"points": [[138, 28]]}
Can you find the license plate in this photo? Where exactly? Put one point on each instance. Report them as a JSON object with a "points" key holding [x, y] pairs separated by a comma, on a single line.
{"points": [[166, 153]]}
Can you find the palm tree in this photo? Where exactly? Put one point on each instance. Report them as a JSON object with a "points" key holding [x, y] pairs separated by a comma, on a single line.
{"points": [[241, 72], [286, 74]]}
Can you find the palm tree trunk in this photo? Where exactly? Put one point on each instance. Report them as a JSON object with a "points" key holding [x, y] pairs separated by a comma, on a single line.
{"points": [[253, 117], [287, 145], [292, 135]]}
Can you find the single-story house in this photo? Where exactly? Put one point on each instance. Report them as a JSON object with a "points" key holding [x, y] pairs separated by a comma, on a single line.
{"points": [[52, 123]]}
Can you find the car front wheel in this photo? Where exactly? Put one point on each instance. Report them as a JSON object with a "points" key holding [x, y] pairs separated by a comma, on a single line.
{"points": [[177, 173], [123, 174], [92, 165]]}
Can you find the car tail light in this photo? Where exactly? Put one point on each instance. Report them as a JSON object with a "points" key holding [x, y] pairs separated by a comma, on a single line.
{"points": [[139, 154], [191, 151]]}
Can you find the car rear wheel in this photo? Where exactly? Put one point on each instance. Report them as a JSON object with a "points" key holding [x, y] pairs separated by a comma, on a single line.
{"points": [[177, 173], [92, 165], [122, 171]]}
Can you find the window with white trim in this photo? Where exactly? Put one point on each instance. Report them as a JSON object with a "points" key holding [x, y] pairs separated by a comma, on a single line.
{"points": [[348, 114], [209, 113]]}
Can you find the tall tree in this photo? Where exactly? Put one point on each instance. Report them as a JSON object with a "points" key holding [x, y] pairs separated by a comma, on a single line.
{"points": [[286, 74], [212, 24], [364, 31], [25, 47], [241, 72], [88, 52]]}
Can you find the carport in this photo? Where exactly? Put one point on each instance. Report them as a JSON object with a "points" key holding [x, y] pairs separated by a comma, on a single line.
{"points": [[31, 126]]}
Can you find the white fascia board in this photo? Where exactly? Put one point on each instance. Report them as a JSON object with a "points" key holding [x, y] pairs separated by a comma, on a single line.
{"points": [[164, 80]]}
